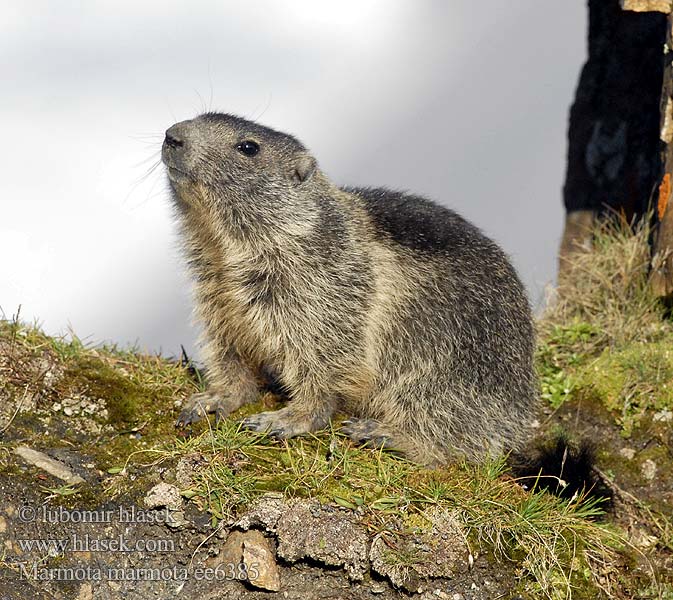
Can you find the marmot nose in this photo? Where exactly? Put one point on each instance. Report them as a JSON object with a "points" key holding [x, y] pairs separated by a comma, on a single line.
{"points": [[173, 139]]}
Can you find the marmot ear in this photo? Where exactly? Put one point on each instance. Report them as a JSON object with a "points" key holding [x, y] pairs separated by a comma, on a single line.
{"points": [[304, 167]]}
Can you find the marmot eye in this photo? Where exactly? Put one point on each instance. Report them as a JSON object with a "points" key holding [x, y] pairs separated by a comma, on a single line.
{"points": [[248, 147]]}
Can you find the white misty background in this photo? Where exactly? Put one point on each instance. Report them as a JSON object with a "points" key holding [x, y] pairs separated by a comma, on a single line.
{"points": [[465, 102]]}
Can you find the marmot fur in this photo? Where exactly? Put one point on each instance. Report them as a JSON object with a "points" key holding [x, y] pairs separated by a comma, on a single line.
{"points": [[375, 303]]}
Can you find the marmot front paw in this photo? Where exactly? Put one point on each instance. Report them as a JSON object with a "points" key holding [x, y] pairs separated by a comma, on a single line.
{"points": [[200, 405]]}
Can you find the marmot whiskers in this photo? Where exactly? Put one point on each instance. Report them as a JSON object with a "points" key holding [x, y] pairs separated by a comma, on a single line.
{"points": [[378, 304]]}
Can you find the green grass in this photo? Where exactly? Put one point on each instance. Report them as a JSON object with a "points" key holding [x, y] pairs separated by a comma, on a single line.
{"points": [[556, 542], [606, 336], [560, 351], [137, 392]]}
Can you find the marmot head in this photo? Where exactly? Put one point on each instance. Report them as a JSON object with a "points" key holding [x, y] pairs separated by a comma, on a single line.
{"points": [[218, 157]]}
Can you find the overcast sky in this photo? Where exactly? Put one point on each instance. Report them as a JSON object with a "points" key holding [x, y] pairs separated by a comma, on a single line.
{"points": [[463, 101]]}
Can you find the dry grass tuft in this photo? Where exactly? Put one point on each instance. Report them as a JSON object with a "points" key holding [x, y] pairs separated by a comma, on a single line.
{"points": [[608, 287]]}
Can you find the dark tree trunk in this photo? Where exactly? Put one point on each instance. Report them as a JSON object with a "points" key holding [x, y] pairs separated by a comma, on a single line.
{"points": [[613, 134], [662, 257]]}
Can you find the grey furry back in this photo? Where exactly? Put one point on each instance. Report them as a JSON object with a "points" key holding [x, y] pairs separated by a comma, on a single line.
{"points": [[471, 319]]}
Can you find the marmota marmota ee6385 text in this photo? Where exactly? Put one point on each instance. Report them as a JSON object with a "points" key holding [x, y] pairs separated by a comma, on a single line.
{"points": [[378, 304]]}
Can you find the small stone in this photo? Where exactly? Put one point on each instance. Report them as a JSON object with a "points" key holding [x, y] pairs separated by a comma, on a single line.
{"points": [[176, 519], [264, 513], [664, 416], [627, 453], [164, 494], [85, 591], [260, 563], [250, 553], [649, 469], [186, 468], [377, 588], [48, 464], [56, 406], [68, 411], [231, 552], [642, 539]]}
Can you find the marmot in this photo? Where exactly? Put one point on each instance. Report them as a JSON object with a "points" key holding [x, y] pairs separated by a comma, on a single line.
{"points": [[378, 304]]}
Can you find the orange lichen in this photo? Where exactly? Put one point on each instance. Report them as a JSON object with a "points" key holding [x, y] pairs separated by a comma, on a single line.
{"points": [[664, 195]]}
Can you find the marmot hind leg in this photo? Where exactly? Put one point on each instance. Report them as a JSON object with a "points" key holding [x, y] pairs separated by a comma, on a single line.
{"points": [[376, 434], [285, 423]]}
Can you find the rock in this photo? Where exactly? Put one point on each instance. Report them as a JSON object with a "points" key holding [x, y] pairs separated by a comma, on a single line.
{"points": [[264, 513], [48, 464], [231, 552], [85, 591], [260, 563], [186, 467], [664, 416], [438, 551], [649, 469], [325, 534], [642, 539], [249, 553], [627, 453], [176, 519], [164, 494]]}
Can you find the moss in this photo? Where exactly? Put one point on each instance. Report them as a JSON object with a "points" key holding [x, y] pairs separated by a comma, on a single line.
{"points": [[122, 396], [633, 381], [139, 393]]}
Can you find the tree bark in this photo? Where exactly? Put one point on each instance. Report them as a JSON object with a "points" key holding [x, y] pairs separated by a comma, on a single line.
{"points": [[613, 135], [662, 258], [647, 5]]}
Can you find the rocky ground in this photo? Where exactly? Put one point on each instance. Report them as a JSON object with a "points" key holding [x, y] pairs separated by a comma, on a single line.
{"points": [[78, 521]]}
